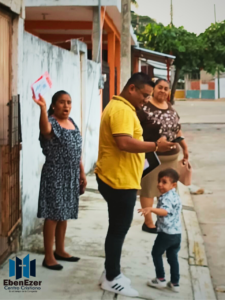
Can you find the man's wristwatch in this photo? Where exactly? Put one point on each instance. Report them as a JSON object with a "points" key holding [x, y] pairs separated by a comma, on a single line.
{"points": [[156, 146]]}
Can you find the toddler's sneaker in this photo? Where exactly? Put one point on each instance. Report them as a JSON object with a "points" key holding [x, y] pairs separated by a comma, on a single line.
{"points": [[173, 287], [103, 277], [157, 283], [120, 286]]}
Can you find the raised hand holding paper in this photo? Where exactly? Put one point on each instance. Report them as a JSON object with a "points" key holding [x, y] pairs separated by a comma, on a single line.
{"points": [[41, 86]]}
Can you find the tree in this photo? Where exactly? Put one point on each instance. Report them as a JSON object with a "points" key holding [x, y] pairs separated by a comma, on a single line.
{"points": [[139, 23], [175, 41], [213, 55], [134, 2]]}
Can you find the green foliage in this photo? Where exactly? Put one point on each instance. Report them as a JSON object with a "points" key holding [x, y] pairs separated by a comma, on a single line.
{"points": [[139, 23], [213, 54], [206, 51], [193, 53], [175, 41]]}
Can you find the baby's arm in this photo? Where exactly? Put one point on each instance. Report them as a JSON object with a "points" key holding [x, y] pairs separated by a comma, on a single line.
{"points": [[158, 211]]}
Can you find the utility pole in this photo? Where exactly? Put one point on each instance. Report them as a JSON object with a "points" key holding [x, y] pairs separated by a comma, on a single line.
{"points": [[125, 42], [99, 31], [215, 12], [218, 72], [171, 12], [96, 33]]}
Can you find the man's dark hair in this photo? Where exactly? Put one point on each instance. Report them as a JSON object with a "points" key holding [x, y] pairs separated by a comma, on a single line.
{"points": [[171, 173], [159, 80], [139, 80]]}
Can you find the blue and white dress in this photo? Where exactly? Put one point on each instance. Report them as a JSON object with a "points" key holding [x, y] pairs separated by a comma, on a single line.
{"points": [[60, 178]]}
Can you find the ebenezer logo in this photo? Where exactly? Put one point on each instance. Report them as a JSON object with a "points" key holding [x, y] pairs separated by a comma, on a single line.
{"points": [[29, 268], [19, 269]]}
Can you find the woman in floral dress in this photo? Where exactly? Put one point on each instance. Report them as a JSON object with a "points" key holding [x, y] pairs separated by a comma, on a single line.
{"points": [[62, 176], [158, 118]]}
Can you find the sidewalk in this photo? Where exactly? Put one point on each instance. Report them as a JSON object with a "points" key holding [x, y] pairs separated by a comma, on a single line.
{"points": [[85, 238], [196, 112]]}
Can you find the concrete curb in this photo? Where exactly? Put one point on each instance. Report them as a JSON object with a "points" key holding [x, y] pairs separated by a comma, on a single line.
{"points": [[199, 270]]}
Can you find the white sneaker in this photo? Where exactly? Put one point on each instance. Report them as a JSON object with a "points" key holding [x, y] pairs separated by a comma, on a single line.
{"points": [[157, 283], [174, 288], [119, 286], [103, 277]]}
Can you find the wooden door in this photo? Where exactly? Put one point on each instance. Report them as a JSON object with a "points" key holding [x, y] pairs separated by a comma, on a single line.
{"points": [[5, 70], [9, 143]]}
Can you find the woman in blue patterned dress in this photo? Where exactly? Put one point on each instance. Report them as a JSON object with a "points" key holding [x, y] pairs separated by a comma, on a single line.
{"points": [[62, 175]]}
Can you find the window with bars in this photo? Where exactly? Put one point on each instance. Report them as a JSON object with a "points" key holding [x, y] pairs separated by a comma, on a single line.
{"points": [[15, 135]]}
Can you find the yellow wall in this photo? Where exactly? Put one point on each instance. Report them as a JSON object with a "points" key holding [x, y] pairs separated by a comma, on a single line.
{"points": [[180, 94]]}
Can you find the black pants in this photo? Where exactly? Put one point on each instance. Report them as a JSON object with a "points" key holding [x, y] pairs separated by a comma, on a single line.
{"points": [[120, 207], [171, 244]]}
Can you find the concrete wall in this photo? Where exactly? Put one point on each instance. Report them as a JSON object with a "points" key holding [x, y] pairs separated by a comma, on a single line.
{"points": [[93, 116], [200, 94], [205, 77], [64, 69], [192, 94], [200, 89], [179, 94], [31, 3], [16, 6], [222, 88], [208, 94]]}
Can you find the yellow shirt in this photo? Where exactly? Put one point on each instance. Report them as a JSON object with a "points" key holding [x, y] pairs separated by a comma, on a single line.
{"points": [[116, 168]]}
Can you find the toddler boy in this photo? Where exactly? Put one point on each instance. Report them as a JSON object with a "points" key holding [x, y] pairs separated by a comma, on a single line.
{"points": [[168, 213]]}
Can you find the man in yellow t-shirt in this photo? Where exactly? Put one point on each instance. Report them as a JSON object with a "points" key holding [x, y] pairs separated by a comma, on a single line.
{"points": [[119, 169]]}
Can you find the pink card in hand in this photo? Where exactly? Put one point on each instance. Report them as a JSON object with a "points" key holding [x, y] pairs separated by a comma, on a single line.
{"points": [[42, 85]]}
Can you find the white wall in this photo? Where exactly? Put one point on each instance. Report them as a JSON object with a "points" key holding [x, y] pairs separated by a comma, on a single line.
{"points": [[222, 88], [92, 116], [64, 69]]}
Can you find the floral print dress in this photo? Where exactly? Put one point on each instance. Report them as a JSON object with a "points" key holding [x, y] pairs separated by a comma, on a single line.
{"points": [[158, 122], [60, 179]]}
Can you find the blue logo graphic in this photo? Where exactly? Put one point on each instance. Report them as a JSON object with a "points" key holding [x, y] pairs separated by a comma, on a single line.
{"points": [[28, 267]]}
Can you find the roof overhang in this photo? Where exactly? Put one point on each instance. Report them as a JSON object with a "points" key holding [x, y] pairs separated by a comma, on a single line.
{"points": [[35, 3], [36, 9], [153, 55]]}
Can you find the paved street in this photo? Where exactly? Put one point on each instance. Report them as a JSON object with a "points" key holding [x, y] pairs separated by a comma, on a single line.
{"points": [[207, 155], [201, 111], [85, 238]]}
